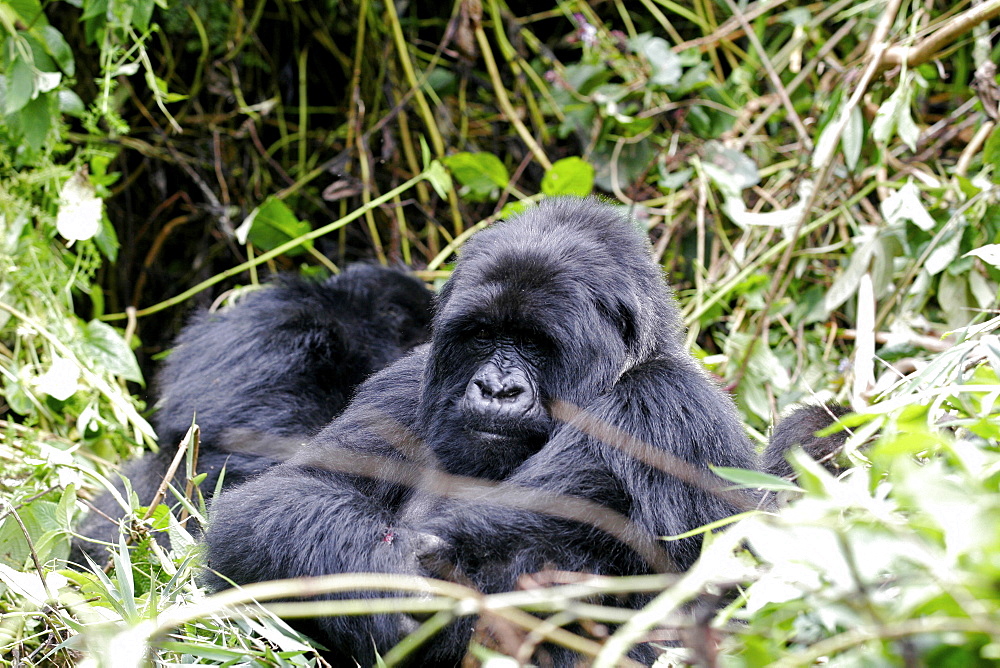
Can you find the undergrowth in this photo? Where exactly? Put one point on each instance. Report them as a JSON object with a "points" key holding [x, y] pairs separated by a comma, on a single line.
{"points": [[819, 181]]}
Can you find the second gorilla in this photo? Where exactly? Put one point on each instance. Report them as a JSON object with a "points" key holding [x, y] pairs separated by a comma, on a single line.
{"points": [[263, 376]]}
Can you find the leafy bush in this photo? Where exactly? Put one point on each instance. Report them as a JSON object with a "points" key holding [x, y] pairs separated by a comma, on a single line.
{"points": [[819, 181]]}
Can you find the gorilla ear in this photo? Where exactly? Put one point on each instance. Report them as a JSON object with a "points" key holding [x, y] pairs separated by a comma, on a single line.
{"points": [[624, 318]]}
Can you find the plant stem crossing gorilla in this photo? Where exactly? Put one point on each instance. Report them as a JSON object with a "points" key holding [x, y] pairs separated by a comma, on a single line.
{"points": [[556, 376], [264, 375]]}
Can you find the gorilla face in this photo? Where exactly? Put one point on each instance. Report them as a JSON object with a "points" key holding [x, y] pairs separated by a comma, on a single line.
{"points": [[528, 319], [502, 405], [503, 397]]}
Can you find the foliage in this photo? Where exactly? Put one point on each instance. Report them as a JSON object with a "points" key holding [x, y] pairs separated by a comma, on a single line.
{"points": [[893, 561], [820, 182]]}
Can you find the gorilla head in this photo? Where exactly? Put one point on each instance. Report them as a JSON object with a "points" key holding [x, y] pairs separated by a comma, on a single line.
{"points": [[285, 359], [555, 305]]}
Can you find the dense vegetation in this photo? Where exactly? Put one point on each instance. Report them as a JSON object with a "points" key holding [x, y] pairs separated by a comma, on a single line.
{"points": [[820, 182]]}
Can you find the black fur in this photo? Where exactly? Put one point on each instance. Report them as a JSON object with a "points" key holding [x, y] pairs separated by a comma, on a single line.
{"points": [[263, 376], [799, 429], [557, 374]]}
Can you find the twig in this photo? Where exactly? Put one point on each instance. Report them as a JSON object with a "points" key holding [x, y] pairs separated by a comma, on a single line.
{"points": [[779, 88], [504, 100], [949, 30], [11, 512], [730, 28], [271, 254], [930, 343], [903, 629]]}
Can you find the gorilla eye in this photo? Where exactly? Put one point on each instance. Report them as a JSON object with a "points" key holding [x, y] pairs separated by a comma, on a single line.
{"points": [[482, 334]]}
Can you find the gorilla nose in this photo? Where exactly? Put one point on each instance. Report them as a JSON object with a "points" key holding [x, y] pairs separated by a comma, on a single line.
{"points": [[499, 393], [498, 390]]}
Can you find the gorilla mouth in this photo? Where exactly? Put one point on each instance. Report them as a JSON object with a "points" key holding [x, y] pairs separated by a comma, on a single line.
{"points": [[492, 437], [495, 436]]}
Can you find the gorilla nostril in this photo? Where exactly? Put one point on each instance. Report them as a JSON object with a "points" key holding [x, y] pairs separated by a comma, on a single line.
{"points": [[510, 392], [487, 389]]}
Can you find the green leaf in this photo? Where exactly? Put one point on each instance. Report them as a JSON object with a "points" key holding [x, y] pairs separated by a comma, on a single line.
{"points": [[107, 349], [513, 209], [990, 254], [60, 51], [16, 396], [810, 474], [211, 653], [755, 479], [161, 86], [95, 9], [437, 175], [107, 239], [731, 170], [694, 77], [953, 297], [66, 507], [425, 155], [584, 77], [905, 204], [70, 103], [894, 115], [712, 526], [20, 86], [30, 11], [673, 180], [569, 176], [853, 138], [142, 12], [481, 174], [885, 118], [665, 64], [39, 517], [10, 239], [273, 224], [40, 59], [991, 152], [36, 121]]}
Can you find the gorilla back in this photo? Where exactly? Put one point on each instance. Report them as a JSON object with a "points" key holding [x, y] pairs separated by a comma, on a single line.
{"points": [[264, 375], [557, 387]]}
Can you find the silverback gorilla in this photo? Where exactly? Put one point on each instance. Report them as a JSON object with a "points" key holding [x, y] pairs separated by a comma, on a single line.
{"points": [[556, 376], [263, 376]]}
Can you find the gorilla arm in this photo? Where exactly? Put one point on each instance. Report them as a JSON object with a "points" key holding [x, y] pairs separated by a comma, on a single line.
{"points": [[330, 509], [613, 478], [799, 429]]}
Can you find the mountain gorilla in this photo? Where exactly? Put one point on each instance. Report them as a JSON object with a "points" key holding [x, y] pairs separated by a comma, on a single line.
{"points": [[264, 375], [555, 421], [799, 429]]}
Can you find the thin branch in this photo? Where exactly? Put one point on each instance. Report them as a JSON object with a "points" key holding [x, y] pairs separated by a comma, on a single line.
{"points": [[947, 33]]}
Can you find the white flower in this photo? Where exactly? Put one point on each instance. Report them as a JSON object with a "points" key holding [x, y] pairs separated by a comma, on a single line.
{"points": [[80, 209], [61, 380]]}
